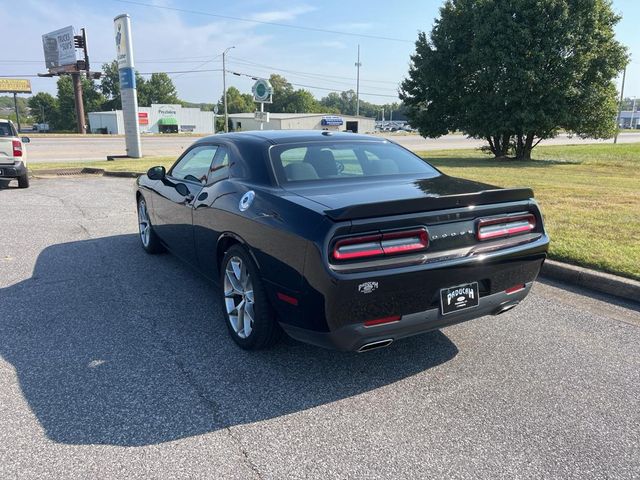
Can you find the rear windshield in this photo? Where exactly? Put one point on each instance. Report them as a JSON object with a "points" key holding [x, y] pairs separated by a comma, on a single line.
{"points": [[6, 130], [322, 161]]}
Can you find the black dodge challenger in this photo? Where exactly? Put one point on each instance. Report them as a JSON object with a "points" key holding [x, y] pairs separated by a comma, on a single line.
{"points": [[341, 240]]}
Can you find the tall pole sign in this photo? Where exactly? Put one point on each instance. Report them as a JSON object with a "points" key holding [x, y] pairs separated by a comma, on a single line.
{"points": [[262, 93], [128, 92]]}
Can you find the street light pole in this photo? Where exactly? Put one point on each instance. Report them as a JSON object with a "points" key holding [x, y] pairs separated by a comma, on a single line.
{"points": [[358, 65], [624, 76], [224, 87], [633, 112]]}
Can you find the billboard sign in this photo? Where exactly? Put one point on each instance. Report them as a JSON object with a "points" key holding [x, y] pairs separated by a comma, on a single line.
{"points": [[59, 48], [15, 85]]}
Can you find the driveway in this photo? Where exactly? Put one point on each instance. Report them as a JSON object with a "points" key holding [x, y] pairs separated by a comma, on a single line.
{"points": [[117, 364]]}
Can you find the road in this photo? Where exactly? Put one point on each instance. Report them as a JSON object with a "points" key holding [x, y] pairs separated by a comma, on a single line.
{"points": [[117, 364], [62, 149]]}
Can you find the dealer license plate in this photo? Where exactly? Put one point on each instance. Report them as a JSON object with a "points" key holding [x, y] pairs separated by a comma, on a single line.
{"points": [[457, 298]]}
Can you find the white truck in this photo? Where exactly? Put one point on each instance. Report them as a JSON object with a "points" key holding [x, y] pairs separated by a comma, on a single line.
{"points": [[13, 154]]}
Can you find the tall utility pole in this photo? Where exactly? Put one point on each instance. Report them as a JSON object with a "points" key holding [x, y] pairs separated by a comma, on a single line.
{"points": [[358, 65], [224, 87], [624, 76], [15, 104], [77, 95]]}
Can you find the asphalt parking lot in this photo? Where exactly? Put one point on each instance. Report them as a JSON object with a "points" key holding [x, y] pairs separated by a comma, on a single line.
{"points": [[117, 364]]}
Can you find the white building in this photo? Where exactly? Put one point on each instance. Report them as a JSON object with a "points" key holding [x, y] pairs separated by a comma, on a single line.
{"points": [[158, 118], [304, 121]]}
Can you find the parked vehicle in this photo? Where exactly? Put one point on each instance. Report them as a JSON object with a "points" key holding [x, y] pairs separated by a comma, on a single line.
{"points": [[13, 154], [341, 240]]}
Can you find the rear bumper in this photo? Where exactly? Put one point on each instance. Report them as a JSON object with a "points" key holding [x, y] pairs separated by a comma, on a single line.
{"points": [[356, 336], [12, 170]]}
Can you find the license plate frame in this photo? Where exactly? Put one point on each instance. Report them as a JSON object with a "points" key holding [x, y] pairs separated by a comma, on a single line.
{"points": [[465, 299]]}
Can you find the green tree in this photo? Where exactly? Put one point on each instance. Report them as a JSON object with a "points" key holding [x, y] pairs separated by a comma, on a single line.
{"points": [[44, 108], [110, 87], [516, 71], [158, 89], [93, 101], [236, 102]]}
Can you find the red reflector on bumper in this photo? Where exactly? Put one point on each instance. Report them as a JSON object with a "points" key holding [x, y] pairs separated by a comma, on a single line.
{"points": [[381, 321], [515, 288], [288, 299]]}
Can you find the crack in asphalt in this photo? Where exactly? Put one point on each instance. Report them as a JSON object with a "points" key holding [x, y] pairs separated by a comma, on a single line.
{"points": [[211, 405]]}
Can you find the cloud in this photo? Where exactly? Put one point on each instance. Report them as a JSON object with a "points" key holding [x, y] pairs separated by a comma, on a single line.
{"points": [[282, 15], [332, 44]]}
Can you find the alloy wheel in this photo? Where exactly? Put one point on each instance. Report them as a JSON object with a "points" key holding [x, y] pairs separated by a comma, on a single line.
{"points": [[238, 297], [143, 223]]}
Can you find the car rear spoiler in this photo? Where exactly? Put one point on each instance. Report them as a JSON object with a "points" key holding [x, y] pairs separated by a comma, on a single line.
{"points": [[426, 204]]}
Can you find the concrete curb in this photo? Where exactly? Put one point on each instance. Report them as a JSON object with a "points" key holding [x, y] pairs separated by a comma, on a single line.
{"points": [[600, 282], [84, 171]]}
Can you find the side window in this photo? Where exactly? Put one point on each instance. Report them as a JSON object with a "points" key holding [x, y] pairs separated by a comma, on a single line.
{"points": [[195, 164], [220, 167]]}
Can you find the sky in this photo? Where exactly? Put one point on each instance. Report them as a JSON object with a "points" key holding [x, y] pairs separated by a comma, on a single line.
{"points": [[173, 35]]}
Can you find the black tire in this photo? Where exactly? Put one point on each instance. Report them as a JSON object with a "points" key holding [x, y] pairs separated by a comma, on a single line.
{"points": [[265, 330], [151, 243], [23, 181]]}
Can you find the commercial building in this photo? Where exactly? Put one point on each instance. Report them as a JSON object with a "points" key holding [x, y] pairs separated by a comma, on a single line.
{"points": [[304, 121], [158, 118], [630, 119]]}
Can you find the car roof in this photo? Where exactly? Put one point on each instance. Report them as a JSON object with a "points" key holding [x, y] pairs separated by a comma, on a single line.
{"points": [[275, 137]]}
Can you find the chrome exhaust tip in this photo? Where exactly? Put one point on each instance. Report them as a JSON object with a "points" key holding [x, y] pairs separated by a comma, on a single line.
{"points": [[373, 345], [505, 308]]}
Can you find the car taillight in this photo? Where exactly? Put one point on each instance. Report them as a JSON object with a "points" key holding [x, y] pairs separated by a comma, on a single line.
{"points": [[17, 148], [391, 243], [491, 228]]}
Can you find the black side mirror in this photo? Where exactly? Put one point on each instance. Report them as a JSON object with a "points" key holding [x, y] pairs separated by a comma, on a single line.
{"points": [[156, 173], [26, 140]]}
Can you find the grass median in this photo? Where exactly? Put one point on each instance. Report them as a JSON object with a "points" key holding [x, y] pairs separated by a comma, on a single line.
{"points": [[589, 194]]}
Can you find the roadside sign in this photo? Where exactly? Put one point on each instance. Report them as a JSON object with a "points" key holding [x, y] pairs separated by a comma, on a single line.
{"points": [[15, 85], [261, 116], [128, 91], [262, 91], [332, 120], [59, 48]]}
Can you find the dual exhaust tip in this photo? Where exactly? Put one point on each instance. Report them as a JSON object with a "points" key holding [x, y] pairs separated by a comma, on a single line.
{"points": [[388, 341]]}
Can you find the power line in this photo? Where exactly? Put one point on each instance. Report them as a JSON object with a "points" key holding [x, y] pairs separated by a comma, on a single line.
{"points": [[316, 77], [320, 75], [248, 20], [240, 74]]}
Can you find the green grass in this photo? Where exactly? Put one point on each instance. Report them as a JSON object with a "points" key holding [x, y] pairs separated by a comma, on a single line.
{"points": [[589, 195], [120, 165]]}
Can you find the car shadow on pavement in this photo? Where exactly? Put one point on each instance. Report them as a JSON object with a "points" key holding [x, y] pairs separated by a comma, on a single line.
{"points": [[5, 184], [114, 346]]}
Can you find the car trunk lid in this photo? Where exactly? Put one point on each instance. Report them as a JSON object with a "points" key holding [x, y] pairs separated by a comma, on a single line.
{"points": [[360, 199]]}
